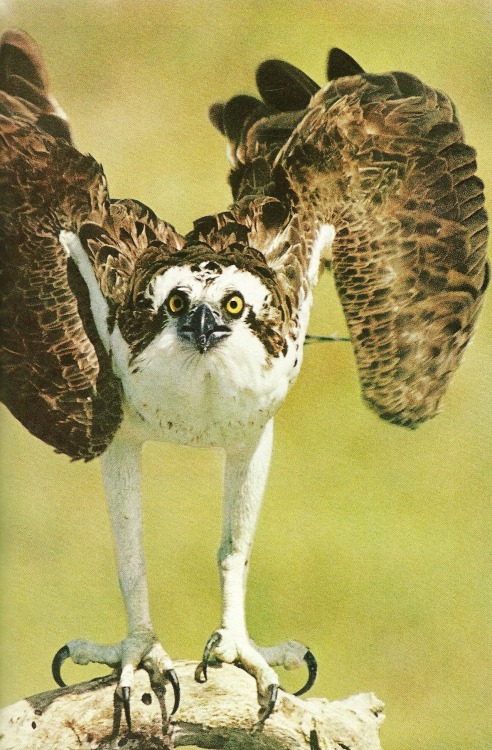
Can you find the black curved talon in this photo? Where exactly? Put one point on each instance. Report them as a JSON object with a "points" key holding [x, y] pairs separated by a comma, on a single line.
{"points": [[172, 677], [312, 666], [61, 655], [272, 692], [125, 697], [201, 671]]}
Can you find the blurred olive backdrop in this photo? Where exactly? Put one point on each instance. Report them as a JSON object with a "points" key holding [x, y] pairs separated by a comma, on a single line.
{"points": [[374, 542]]}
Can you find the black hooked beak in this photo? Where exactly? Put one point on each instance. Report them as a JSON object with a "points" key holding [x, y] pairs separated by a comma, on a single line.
{"points": [[204, 328]]}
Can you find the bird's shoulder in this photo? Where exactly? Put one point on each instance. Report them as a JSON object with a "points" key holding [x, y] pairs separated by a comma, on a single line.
{"points": [[127, 247]]}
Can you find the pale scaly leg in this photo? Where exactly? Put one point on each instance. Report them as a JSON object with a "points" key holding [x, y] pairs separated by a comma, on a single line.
{"points": [[121, 468], [245, 478]]}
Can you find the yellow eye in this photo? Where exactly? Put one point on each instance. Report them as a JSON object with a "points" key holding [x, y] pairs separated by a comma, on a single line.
{"points": [[177, 303], [234, 305]]}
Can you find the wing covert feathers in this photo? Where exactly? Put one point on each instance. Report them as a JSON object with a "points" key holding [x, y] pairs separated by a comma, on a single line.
{"points": [[382, 158], [56, 376], [386, 157]]}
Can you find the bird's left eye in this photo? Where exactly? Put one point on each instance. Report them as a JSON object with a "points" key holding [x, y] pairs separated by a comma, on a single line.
{"points": [[177, 302], [234, 305]]}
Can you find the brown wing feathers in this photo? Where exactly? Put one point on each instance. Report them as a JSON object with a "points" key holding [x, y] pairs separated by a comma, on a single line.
{"points": [[380, 157], [56, 376], [257, 129], [408, 257], [116, 247], [383, 159]]}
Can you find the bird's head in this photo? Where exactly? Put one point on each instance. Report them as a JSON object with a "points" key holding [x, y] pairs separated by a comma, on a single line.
{"points": [[211, 300], [206, 300], [203, 304]]}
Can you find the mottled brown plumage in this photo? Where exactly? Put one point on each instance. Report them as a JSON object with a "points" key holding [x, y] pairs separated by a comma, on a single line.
{"points": [[382, 159], [56, 376]]}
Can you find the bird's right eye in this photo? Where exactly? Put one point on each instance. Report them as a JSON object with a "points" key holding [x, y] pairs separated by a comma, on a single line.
{"points": [[177, 302]]}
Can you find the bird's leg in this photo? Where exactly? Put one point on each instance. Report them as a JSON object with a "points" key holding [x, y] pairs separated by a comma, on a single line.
{"points": [[121, 472], [245, 478], [244, 483]]}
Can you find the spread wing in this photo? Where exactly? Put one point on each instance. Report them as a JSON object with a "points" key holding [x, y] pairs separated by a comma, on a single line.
{"points": [[382, 159], [56, 376]]}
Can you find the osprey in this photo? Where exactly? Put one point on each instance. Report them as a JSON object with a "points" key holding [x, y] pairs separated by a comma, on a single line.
{"points": [[116, 329]]}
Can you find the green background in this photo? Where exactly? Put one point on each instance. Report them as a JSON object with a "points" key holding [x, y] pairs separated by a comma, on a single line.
{"points": [[374, 542]]}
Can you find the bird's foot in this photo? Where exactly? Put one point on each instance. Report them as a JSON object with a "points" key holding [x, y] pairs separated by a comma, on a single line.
{"points": [[139, 649], [225, 646]]}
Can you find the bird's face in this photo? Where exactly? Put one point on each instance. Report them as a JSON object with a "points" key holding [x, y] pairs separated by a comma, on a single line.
{"points": [[207, 307]]}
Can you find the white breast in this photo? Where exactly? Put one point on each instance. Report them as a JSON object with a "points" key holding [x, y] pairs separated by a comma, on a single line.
{"points": [[219, 398]]}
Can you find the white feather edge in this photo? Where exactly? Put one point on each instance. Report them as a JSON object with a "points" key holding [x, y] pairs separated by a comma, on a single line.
{"points": [[321, 247], [99, 307]]}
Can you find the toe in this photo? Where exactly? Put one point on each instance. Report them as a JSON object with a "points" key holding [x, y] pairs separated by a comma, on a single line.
{"points": [[292, 655], [161, 669], [127, 677], [83, 652], [231, 648]]}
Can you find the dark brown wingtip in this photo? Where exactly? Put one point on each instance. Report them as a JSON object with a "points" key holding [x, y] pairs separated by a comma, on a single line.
{"points": [[24, 77], [216, 116], [20, 54], [283, 86], [341, 64], [55, 126], [237, 111]]}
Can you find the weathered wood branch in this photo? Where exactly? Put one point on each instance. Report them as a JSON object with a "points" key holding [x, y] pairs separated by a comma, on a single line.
{"points": [[220, 714]]}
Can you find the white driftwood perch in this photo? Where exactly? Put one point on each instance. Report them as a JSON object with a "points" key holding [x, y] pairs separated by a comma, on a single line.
{"points": [[220, 714]]}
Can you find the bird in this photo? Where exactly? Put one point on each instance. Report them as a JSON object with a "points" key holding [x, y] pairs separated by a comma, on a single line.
{"points": [[117, 329]]}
